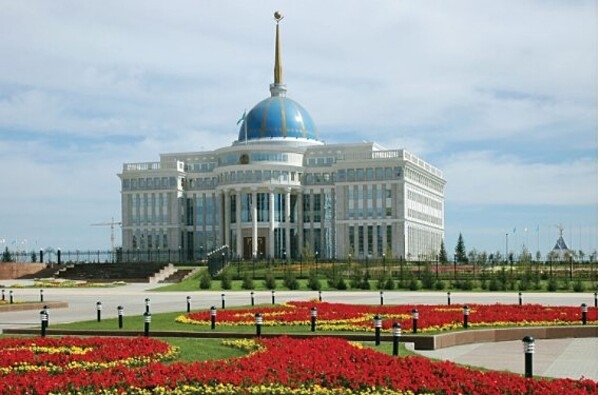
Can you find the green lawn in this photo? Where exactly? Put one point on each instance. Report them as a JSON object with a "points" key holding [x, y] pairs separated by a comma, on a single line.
{"points": [[166, 322]]}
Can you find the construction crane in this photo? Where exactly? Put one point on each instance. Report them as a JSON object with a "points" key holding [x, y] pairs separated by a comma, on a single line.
{"points": [[112, 224]]}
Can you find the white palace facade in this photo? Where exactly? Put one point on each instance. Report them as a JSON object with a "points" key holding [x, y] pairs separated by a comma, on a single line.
{"points": [[279, 191]]}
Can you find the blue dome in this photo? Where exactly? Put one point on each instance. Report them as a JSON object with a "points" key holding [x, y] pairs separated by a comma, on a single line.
{"points": [[277, 117]]}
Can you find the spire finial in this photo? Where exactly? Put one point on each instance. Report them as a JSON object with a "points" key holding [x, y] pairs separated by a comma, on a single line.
{"points": [[277, 88]]}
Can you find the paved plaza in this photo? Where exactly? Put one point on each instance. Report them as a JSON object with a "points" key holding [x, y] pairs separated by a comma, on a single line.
{"points": [[572, 358]]}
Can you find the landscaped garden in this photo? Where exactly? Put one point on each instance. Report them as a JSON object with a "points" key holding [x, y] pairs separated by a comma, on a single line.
{"points": [[280, 365], [431, 318]]}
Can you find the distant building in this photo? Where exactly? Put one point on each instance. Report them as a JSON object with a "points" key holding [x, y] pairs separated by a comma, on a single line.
{"points": [[279, 191], [561, 250]]}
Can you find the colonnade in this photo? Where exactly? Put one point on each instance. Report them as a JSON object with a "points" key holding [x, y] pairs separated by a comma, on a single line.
{"points": [[241, 227]]}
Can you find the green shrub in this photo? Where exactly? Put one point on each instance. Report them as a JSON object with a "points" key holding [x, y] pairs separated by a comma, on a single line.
{"points": [[290, 281], [341, 284], [269, 281], [440, 285], [389, 284], [494, 285], [356, 279], [524, 285], [205, 280], [552, 285], [247, 282], [314, 283], [579, 286], [427, 278], [225, 280], [414, 284], [467, 285], [381, 281], [365, 283]]}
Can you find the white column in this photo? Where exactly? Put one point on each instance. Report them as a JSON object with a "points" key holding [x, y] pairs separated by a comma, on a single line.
{"points": [[271, 223], [254, 225], [227, 218], [287, 222], [238, 222]]}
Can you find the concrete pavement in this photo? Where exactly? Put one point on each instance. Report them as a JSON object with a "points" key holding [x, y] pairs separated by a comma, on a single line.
{"points": [[562, 358], [572, 358]]}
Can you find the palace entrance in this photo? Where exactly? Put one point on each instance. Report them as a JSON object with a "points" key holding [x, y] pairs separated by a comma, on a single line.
{"points": [[260, 250]]}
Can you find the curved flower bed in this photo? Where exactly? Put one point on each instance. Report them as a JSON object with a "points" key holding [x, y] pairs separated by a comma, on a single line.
{"points": [[432, 318], [275, 366], [55, 355]]}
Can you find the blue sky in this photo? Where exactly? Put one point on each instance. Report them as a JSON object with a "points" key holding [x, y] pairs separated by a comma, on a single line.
{"points": [[502, 96]]}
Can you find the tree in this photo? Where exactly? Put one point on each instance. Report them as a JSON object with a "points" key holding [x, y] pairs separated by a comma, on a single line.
{"points": [[6, 255], [443, 254], [472, 256], [460, 251]]}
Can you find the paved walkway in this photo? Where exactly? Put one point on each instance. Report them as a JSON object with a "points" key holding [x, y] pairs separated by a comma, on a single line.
{"points": [[571, 358], [566, 358]]}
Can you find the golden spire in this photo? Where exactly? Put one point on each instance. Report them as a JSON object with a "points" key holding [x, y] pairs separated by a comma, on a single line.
{"points": [[277, 87], [278, 75]]}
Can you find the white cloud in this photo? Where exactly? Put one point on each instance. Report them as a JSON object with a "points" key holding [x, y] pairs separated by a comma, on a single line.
{"points": [[486, 179]]}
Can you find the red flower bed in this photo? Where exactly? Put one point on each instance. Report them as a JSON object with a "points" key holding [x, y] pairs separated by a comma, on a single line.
{"points": [[289, 364], [339, 316]]}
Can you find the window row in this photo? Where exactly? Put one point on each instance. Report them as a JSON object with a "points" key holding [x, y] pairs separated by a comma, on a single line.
{"points": [[132, 184], [150, 240], [368, 192], [424, 180], [376, 241], [200, 167], [370, 212], [369, 174], [234, 159], [427, 201], [263, 207], [321, 161], [148, 208], [432, 219], [246, 176]]}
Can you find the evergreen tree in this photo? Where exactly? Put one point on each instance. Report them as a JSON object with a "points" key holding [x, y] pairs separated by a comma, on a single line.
{"points": [[443, 254], [7, 256], [460, 251]]}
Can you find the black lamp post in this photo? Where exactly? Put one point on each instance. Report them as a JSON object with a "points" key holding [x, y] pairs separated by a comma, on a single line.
{"points": [[313, 319], [377, 323], [213, 317], [98, 311], [120, 315], [528, 349]]}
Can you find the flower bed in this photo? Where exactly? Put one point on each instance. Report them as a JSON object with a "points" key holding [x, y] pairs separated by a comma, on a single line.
{"points": [[432, 318], [274, 366]]}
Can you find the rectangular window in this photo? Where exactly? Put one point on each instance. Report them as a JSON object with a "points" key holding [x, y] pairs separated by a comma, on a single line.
{"points": [[232, 211], [389, 237], [246, 206], [306, 208], [317, 207], [370, 240], [360, 174], [350, 175], [361, 241]]}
